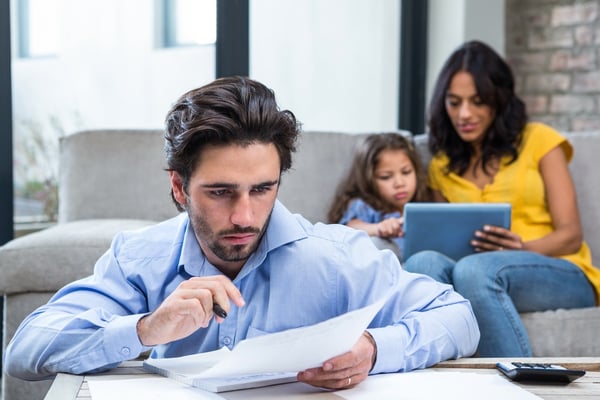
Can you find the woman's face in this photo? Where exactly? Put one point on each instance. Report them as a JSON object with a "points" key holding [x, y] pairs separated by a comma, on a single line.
{"points": [[470, 117]]}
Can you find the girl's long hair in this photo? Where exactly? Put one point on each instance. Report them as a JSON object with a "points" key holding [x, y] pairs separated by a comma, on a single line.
{"points": [[359, 181]]}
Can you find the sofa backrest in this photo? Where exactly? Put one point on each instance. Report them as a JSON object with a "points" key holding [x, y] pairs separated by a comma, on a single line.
{"points": [[586, 146], [114, 174], [120, 174]]}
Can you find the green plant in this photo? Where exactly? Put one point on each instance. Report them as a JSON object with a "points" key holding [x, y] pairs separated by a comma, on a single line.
{"points": [[35, 151]]}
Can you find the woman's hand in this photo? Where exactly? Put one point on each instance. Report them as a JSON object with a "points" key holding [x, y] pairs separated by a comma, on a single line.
{"points": [[496, 238]]}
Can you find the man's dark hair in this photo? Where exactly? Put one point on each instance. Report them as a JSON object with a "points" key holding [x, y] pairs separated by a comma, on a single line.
{"points": [[233, 110], [496, 87]]}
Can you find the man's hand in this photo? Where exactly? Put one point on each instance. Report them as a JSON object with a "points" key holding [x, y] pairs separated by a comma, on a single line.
{"points": [[187, 309], [344, 371]]}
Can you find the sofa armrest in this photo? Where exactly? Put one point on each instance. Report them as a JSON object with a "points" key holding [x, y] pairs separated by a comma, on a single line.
{"points": [[47, 260]]}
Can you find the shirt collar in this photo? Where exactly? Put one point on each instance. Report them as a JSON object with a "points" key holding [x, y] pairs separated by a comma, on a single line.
{"points": [[283, 228]]}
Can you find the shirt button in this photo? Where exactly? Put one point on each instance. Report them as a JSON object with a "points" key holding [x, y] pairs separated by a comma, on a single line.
{"points": [[226, 340], [125, 351]]}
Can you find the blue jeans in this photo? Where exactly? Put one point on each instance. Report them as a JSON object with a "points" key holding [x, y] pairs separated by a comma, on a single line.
{"points": [[501, 284]]}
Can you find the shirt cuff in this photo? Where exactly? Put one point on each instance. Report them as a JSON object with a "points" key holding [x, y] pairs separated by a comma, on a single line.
{"points": [[390, 350], [121, 339]]}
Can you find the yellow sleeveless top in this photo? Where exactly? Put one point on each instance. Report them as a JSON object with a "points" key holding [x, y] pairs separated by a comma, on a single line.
{"points": [[521, 185]]}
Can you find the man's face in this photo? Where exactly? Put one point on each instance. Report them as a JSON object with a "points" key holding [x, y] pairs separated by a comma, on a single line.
{"points": [[230, 197]]}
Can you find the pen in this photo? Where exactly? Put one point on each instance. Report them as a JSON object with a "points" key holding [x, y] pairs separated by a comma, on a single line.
{"points": [[217, 309]]}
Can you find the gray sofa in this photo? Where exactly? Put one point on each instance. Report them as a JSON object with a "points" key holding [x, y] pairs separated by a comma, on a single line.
{"points": [[114, 180]]}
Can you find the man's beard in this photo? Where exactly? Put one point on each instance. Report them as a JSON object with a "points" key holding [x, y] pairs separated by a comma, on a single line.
{"points": [[233, 253]]}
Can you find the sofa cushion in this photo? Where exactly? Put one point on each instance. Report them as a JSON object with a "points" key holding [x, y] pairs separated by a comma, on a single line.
{"points": [[564, 333], [49, 259]]}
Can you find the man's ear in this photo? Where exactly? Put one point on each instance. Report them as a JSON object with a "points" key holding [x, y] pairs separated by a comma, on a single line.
{"points": [[177, 186]]}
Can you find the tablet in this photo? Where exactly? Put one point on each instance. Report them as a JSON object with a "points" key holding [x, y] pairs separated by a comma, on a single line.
{"points": [[449, 227]]}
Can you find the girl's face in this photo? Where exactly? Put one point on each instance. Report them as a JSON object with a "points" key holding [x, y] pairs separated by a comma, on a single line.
{"points": [[470, 117], [395, 178]]}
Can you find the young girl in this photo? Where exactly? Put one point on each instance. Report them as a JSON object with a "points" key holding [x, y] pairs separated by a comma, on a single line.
{"points": [[386, 173]]}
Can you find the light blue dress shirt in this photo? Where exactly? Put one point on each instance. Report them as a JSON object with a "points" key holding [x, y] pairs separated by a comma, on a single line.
{"points": [[300, 274]]}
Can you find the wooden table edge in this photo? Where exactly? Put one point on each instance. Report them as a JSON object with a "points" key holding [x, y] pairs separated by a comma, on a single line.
{"points": [[585, 363]]}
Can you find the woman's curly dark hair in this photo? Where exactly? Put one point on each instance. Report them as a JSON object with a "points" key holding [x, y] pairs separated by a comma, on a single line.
{"points": [[494, 82]]}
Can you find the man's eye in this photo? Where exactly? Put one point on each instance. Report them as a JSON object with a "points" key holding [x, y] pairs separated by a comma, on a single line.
{"points": [[219, 193], [261, 189]]}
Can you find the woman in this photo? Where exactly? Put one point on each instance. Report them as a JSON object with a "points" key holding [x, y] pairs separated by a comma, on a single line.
{"points": [[485, 151]]}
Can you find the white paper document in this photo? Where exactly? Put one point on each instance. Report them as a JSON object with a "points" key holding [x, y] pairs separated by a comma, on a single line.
{"points": [[269, 359], [436, 384], [418, 385]]}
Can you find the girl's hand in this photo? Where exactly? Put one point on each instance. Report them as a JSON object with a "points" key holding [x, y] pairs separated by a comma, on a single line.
{"points": [[493, 238], [391, 227]]}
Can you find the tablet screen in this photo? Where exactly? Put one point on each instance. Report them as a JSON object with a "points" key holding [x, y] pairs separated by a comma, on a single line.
{"points": [[449, 227]]}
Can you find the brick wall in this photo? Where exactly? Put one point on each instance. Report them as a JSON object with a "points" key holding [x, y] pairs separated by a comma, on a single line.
{"points": [[553, 47]]}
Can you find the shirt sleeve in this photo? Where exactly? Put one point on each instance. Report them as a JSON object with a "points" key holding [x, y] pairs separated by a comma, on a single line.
{"points": [[63, 335], [358, 209], [423, 322], [541, 138]]}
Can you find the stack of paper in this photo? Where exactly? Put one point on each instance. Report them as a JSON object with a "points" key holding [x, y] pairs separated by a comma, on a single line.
{"points": [[257, 361]]}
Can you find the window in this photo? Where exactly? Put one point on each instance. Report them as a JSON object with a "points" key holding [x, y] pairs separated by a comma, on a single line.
{"points": [[106, 73], [189, 22], [38, 28]]}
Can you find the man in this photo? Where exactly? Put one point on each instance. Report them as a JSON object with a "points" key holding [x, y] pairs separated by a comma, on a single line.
{"points": [[235, 245]]}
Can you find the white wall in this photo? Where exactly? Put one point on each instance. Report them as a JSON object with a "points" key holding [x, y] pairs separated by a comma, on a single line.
{"points": [[453, 22], [334, 63]]}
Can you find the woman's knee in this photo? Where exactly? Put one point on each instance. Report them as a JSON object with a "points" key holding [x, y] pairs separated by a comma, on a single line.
{"points": [[424, 260], [477, 269]]}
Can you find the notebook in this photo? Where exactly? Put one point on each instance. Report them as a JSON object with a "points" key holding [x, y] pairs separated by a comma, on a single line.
{"points": [[449, 227], [188, 370]]}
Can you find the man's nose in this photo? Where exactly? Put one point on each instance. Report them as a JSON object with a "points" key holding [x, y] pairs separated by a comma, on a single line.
{"points": [[242, 211]]}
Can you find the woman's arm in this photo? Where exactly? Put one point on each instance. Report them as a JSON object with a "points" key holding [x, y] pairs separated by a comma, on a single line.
{"points": [[560, 193], [562, 205]]}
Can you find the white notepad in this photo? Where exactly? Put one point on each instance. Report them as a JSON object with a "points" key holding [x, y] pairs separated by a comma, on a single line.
{"points": [[188, 370]]}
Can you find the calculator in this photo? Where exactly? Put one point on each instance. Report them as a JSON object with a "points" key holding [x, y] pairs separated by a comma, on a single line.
{"points": [[522, 371]]}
